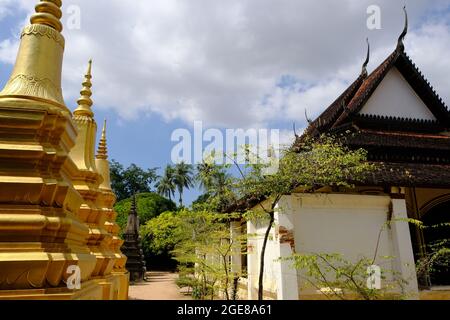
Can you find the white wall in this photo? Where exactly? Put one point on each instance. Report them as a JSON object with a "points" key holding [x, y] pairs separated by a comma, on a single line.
{"points": [[255, 242], [395, 97], [331, 223], [350, 225]]}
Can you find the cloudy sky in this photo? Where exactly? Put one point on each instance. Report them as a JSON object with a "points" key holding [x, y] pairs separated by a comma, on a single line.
{"points": [[163, 64]]}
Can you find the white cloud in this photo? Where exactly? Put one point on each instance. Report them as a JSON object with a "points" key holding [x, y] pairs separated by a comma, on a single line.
{"points": [[428, 49], [8, 50], [221, 61]]}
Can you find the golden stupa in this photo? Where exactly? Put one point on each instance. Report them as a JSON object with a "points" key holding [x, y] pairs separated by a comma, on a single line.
{"points": [[56, 202]]}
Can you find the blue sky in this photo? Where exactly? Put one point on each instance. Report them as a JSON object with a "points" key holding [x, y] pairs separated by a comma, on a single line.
{"points": [[160, 65]]}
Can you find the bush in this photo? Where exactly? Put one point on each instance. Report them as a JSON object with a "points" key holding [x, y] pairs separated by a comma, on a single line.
{"points": [[149, 206]]}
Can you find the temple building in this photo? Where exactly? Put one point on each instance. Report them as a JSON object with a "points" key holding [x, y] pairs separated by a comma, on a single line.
{"points": [[396, 115], [132, 246], [58, 236]]}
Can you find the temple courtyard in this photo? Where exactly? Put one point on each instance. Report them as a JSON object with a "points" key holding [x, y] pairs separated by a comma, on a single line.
{"points": [[159, 285]]}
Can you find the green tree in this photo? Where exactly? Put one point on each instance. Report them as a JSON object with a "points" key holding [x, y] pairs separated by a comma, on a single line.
{"points": [[164, 233], [315, 164], [149, 205], [183, 179], [212, 178], [166, 184], [118, 182], [200, 242], [318, 163], [215, 181], [126, 182]]}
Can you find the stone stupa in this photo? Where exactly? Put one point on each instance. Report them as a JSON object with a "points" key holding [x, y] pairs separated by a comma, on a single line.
{"points": [[132, 246]]}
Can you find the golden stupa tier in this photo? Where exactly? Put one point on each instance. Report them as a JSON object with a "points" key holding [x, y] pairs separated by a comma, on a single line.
{"points": [[87, 180], [52, 212], [106, 200]]}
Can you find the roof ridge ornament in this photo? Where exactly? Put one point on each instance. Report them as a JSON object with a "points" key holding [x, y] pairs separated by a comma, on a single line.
{"points": [[307, 118], [400, 44], [366, 63]]}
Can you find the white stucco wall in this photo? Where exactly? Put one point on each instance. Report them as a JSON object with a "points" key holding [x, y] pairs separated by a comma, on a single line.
{"points": [[395, 97], [331, 223], [255, 242], [344, 224]]}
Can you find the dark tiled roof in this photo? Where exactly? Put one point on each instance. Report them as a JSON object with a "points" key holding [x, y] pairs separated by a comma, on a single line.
{"points": [[389, 123], [366, 89], [409, 175], [401, 140], [414, 151], [348, 105], [326, 120]]}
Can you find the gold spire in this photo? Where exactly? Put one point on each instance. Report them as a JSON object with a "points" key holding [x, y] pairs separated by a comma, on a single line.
{"points": [[37, 71], [102, 152], [48, 13], [85, 102], [101, 162]]}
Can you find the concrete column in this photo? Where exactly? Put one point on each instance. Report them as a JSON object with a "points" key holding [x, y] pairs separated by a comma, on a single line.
{"points": [[252, 261], [236, 256], [287, 280], [403, 247]]}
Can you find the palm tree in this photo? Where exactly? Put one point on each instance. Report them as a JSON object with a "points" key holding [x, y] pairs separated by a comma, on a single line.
{"points": [[166, 184], [204, 176], [220, 182], [182, 177], [216, 183], [212, 178]]}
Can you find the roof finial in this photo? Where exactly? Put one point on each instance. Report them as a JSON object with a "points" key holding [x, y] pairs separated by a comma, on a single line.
{"points": [[295, 131], [400, 44], [85, 102], [48, 12], [306, 116], [102, 152], [366, 63]]}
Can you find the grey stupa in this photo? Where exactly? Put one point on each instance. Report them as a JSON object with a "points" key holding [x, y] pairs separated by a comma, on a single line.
{"points": [[132, 246]]}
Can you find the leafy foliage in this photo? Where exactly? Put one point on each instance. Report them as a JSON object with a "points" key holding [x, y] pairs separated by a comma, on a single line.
{"points": [[322, 162], [149, 205], [435, 258], [179, 178], [218, 186], [166, 185], [200, 242], [336, 277], [163, 233], [205, 253], [126, 182], [183, 179]]}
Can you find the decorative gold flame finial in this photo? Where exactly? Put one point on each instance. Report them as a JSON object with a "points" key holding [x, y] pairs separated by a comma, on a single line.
{"points": [[48, 12], [102, 152], [85, 102]]}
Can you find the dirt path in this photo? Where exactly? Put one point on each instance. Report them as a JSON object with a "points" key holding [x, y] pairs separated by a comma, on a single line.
{"points": [[160, 286]]}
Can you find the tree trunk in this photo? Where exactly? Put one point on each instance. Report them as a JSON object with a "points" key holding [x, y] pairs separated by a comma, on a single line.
{"points": [[181, 198], [263, 254], [225, 264]]}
